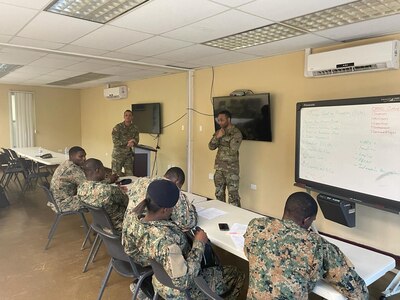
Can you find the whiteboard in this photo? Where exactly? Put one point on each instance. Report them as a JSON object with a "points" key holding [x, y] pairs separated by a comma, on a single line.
{"points": [[351, 148]]}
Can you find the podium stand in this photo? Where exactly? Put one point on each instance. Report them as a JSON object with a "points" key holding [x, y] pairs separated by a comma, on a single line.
{"points": [[141, 163]]}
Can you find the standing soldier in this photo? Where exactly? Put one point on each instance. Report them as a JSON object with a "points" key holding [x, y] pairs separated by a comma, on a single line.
{"points": [[125, 136], [227, 140]]}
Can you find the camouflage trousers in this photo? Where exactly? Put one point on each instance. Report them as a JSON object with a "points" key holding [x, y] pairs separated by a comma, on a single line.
{"points": [[227, 180], [226, 281], [122, 160], [68, 204]]}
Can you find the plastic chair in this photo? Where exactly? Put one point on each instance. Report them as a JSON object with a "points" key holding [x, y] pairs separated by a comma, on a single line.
{"points": [[163, 277], [120, 262], [60, 214], [102, 219]]}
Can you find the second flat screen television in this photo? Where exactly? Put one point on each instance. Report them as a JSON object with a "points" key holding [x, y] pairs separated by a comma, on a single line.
{"points": [[250, 113], [147, 117]]}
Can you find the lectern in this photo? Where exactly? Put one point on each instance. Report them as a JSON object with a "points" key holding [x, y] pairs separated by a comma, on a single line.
{"points": [[141, 163]]}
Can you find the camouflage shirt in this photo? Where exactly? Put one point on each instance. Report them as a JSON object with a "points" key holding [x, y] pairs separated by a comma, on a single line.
{"points": [[64, 184], [227, 158], [121, 134], [184, 213], [164, 242], [286, 261], [111, 197]]}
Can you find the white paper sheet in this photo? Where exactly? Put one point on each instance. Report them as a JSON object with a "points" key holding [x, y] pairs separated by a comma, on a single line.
{"points": [[238, 228], [238, 240], [211, 213]]}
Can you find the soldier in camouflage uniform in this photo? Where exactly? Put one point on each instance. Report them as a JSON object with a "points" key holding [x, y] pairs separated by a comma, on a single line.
{"points": [[227, 140], [125, 136], [184, 213], [96, 192], [154, 236], [66, 179], [286, 260]]}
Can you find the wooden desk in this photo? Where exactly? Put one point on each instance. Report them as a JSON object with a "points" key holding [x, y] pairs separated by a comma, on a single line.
{"points": [[32, 153], [369, 265]]}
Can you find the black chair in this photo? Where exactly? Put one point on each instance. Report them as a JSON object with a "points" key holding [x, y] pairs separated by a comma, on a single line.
{"points": [[163, 277], [102, 219], [120, 262], [60, 214], [13, 168]]}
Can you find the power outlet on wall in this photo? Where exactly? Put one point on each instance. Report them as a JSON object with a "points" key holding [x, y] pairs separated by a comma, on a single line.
{"points": [[253, 186], [210, 176]]}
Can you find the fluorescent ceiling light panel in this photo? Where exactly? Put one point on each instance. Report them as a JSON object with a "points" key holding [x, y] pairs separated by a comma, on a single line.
{"points": [[350, 13], [254, 37], [6, 68], [79, 79], [101, 11]]}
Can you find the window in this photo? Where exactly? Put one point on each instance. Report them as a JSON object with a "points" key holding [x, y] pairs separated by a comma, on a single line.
{"points": [[22, 119]]}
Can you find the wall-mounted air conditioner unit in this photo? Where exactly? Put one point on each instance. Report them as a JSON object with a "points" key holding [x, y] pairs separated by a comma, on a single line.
{"points": [[366, 58], [119, 92]]}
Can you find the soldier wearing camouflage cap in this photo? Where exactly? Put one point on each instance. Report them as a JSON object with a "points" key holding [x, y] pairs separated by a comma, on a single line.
{"points": [[125, 136], [227, 140], [156, 237], [286, 260]]}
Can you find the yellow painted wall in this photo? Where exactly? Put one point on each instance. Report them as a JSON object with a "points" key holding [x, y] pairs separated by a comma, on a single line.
{"points": [[58, 116], [271, 165], [100, 115]]}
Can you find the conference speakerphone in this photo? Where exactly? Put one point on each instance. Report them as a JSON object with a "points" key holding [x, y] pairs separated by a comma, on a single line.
{"points": [[337, 210]]}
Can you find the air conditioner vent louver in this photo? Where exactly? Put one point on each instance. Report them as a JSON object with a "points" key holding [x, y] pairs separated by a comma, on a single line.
{"points": [[366, 58]]}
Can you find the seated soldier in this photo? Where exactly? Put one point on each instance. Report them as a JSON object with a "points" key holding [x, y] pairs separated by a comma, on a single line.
{"points": [[155, 236], [96, 192], [184, 213], [286, 259], [66, 179]]}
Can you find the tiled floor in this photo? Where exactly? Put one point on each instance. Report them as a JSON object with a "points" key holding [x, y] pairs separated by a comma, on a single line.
{"points": [[29, 272]]}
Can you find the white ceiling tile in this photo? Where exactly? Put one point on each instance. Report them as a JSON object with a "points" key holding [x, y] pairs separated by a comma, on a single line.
{"points": [[123, 56], [35, 43], [5, 38], [232, 3], [64, 73], [365, 29], [222, 59], [50, 61], [57, 28], [216, 26], [111, 38], [13, 18], [18, 56], [38, 70], [119, 70], [158, 61], [154, 46], [85, 67], [164, 15], [66, 57], [103, 63], [19, 75], [35, 4], [288, 45], [287, 9], [82, 50], [191, 52]]}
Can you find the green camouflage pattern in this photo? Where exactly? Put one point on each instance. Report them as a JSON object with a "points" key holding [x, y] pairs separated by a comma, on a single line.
{"points": [[122, 155], [224, 180], [227, 164], [64, 184], [286, 261], [111, 197], [184, 213], [164, 242]]}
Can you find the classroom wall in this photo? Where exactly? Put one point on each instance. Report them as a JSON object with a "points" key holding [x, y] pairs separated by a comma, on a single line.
{"points": [[100, 115], [271, 165], [58, 116]]}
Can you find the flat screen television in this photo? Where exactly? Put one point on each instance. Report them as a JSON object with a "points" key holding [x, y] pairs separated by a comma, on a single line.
{"points": [[251, 114], [349, 149], [147, 117]]}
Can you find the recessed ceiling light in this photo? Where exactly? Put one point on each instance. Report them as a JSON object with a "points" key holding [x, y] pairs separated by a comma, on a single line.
{"points": [[96, 11], [345, 14], [6, 68]]}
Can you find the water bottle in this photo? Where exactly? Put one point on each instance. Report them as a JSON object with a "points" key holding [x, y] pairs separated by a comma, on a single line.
{"points": [[40, 151]]}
